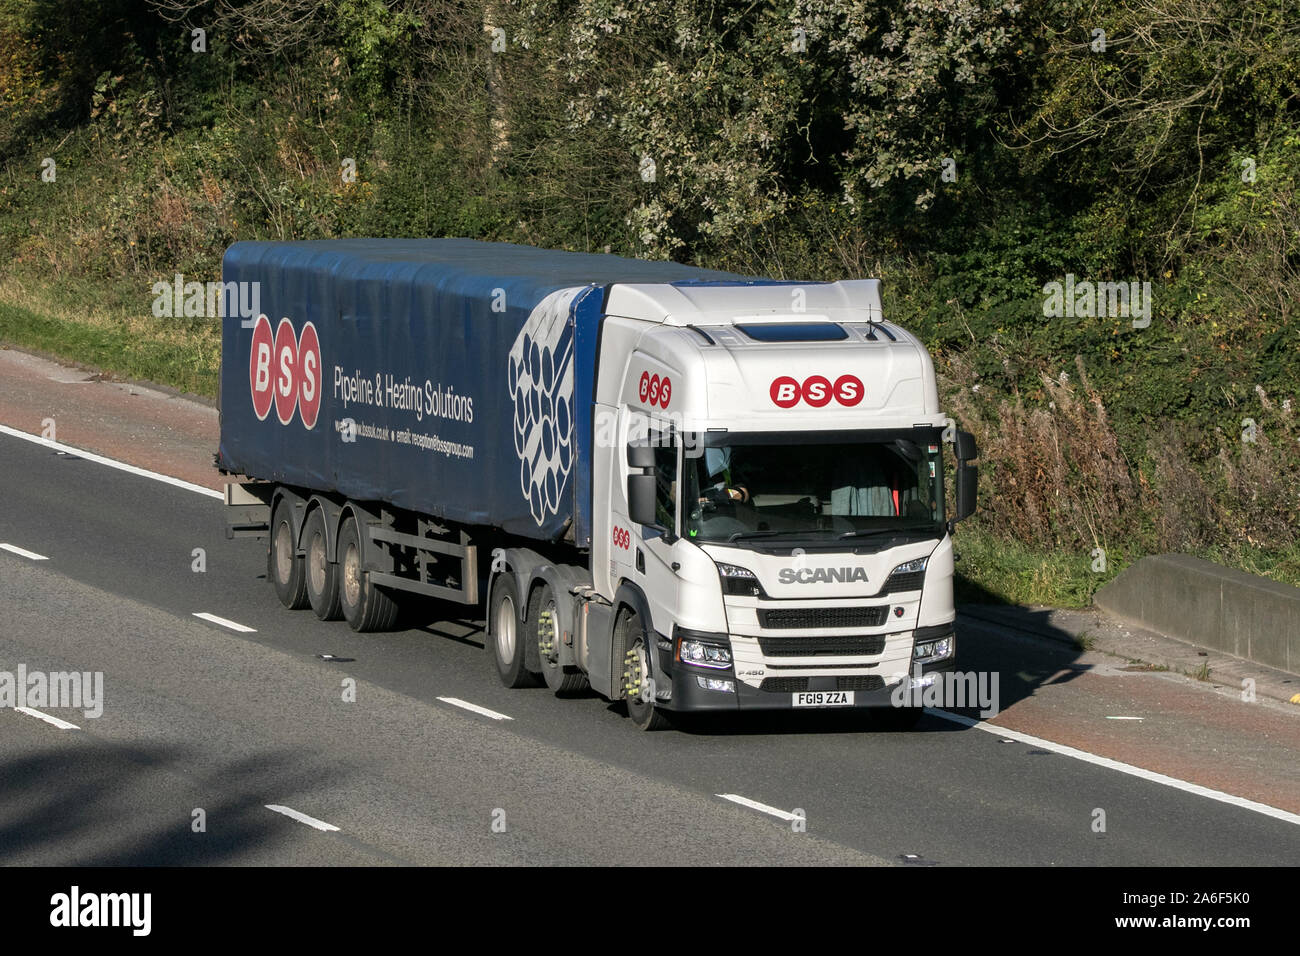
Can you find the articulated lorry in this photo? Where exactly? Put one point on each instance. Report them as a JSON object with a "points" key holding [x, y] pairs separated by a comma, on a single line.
{"points": [[688, 490]]}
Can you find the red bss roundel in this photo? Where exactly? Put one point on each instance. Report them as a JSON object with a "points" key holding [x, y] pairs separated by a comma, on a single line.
{"points": [[816, 390], [653, 390], [259, 368], [309, 375], [285, 370], [622, 538]]}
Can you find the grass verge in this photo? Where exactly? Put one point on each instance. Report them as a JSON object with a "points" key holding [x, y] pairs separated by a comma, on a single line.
{"points": [[992, 570], [185, 354]]}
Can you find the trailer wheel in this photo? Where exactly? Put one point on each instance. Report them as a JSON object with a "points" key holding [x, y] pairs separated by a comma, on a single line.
{"points": [[638, 676], [283, 565], [322, 575], [542, 626], [365, 606], [505, 636]]}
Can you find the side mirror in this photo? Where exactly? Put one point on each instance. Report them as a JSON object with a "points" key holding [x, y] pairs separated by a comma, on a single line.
{"points": [[640, 454], [967, 475], [641, 486], [964, 446], [641, 499], [967, 490]]}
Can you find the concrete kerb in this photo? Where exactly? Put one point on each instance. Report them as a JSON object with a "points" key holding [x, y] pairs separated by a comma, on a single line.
{"points": [[1212, 607]]}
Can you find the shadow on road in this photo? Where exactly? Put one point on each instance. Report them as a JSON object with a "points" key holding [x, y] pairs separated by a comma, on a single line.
{"points": [[1010, 650], [84, 805]]}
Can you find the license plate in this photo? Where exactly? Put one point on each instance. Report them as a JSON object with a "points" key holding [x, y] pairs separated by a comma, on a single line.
{"points": [[824, 698]]}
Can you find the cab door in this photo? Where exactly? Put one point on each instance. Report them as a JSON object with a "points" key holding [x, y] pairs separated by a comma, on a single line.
{"points": [[643, 554]]}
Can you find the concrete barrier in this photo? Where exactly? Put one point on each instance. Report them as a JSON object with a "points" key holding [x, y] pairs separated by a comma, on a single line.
{"points": [[1210, 606]]}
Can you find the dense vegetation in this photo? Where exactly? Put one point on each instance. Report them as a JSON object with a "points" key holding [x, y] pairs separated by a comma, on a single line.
{"points": [[968, 153]]}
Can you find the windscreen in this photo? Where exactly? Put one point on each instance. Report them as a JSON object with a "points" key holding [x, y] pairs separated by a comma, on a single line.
{"points": [[814, 486]]}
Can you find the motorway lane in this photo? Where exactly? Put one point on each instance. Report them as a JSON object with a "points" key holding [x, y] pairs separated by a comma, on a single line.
{"points": [[943, 792], [72, 798], [197, 719]]}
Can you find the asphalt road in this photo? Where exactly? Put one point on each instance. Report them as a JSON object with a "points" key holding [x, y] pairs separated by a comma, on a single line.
{"points": [[199, 717]]}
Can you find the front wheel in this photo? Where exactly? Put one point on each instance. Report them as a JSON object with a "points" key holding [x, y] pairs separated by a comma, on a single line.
{"points": [[638, 677]]}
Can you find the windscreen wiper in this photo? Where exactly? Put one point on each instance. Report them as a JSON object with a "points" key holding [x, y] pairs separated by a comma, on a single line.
{"points": [[871, 532], [767, 534]]}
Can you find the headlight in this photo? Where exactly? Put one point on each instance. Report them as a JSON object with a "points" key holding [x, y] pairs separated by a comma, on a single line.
{"points": [[911, 567], [927, 652], [702, 649], [908, 576], [739, 581]]}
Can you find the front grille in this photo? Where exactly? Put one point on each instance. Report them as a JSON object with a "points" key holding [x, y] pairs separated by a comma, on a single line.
{"points": [[823, 617], [860, 682], [898, 583], [783, 685], [849, 645], [794, 685]]}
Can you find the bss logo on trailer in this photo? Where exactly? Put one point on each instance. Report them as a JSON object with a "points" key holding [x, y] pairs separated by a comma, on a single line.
{"points": [[285, 370]]}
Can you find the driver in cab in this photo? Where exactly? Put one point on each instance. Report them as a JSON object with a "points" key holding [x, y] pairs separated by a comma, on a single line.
{"points": [[721, 488]]}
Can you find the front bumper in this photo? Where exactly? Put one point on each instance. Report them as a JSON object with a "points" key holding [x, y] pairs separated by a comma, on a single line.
{"points": [[688, 696]]}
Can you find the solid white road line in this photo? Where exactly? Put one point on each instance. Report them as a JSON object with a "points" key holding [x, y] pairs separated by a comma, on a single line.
{"points": [[755, 805], [1140, 773], [456, 702], [303, 818], [110, 462], [23, 552], [234, 626], [61, 724]]}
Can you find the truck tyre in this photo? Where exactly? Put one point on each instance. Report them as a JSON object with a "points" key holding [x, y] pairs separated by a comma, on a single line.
{"points": [[542, 627], [283, 565], [505, 636], [637, 670], [322, 575], [365, 606]]}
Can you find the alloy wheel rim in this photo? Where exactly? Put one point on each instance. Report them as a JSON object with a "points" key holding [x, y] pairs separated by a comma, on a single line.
{"points": [[504, 630]]}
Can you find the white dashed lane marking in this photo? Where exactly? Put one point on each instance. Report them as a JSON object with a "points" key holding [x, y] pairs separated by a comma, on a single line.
{"points": [[293, 814], [761, 807], [475, 708], [61, 724], [23, 552], [224, 622]]}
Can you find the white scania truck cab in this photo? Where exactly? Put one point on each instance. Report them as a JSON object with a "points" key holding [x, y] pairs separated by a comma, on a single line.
{"points": [[769, 526]]}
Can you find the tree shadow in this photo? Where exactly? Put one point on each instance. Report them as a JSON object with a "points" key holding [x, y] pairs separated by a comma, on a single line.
{"points": [[79, 805]]}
